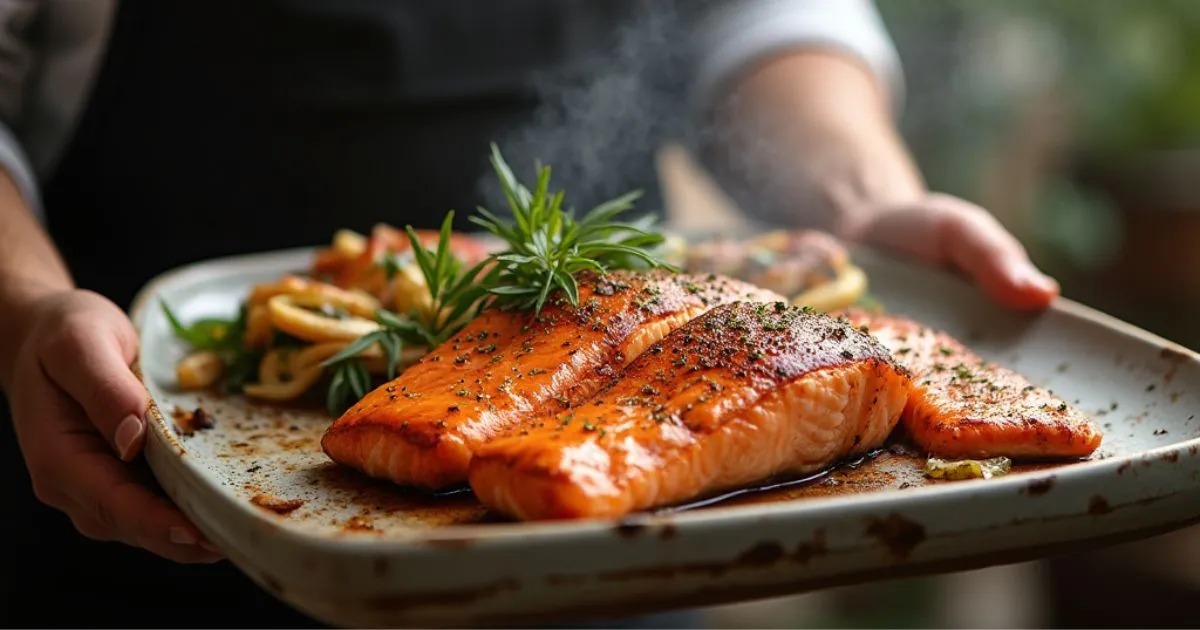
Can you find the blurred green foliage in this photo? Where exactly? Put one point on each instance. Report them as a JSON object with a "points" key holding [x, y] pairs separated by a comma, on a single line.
{"points": [[1132, 67], [1128, 72]]}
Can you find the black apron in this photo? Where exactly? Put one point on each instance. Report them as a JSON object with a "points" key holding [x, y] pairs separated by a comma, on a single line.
{"points": [[223, 127]]}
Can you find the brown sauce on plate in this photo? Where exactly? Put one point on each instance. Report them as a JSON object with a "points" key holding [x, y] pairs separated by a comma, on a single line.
{"points": [[894, 467]]}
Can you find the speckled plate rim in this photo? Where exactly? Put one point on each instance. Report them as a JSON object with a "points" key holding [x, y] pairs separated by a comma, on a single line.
{"points": [[715, 517]]}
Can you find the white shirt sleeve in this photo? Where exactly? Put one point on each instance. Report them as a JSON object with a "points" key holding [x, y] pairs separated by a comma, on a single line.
{"points": [[731, 35], [16, 62]]}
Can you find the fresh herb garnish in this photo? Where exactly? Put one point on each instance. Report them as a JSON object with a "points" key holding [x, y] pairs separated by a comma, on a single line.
{"points": [[547, 245], [206, 334], [241, 368], [350, 383], [457, 295], [391, 339], [391, 264], [283, 340], [224, 337]]}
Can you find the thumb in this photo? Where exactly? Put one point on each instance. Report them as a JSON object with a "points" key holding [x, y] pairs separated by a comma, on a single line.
{"points": [[90, 360]]}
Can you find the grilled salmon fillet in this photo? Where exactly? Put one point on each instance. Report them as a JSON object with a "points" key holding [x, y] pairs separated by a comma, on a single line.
{"points": [[965, 408], [738, 395], [422, 428]]}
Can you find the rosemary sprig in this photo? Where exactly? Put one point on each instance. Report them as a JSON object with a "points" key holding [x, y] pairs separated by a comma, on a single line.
{"points": [[396, 332], [457, 295], [547, 245], [350, 382]]}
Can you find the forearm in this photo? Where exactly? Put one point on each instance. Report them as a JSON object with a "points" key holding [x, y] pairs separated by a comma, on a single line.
{"points": [[30, 268], [807, 138]]}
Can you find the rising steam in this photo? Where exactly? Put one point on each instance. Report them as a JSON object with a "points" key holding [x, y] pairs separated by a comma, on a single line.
{"points": [[601, 124]]}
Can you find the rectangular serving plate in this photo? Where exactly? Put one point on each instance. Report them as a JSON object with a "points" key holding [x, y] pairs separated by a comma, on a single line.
{"points": [[354, 552]]}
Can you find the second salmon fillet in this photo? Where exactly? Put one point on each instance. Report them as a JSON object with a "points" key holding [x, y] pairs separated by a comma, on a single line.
{"points": [[741, 394], [964, 407], [422, 428]]}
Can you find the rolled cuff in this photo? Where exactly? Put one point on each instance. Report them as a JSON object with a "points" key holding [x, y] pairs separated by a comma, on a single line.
{"points": [[16, 164], [736, 34]]}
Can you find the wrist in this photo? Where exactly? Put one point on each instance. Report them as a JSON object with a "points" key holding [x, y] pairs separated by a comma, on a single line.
{"points": [[880, 179], [807, 140], [19, 297]]}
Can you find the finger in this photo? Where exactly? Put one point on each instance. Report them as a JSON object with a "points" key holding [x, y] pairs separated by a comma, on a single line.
{"points": [[90, 360], [101, 495], [113, 499], [945, 229], [90, 527], [202, 553], [36, 406]]}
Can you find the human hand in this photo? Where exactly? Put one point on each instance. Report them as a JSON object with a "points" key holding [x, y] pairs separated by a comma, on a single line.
{"points": [[79, 414], [810, 137], [944, 229]]}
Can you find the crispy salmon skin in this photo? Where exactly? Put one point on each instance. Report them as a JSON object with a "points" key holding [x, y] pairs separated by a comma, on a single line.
{"points": [[963, 407], [422, 428], [738, 395]]}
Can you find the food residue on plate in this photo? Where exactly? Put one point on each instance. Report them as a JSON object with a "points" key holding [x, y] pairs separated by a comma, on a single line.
{"points": [[957, 470], [416, 346], [358, 523], [189, 422], [276, 504]]}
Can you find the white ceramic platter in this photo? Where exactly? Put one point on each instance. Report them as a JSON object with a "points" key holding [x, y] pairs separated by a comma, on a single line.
{"points": [[357, 553]]}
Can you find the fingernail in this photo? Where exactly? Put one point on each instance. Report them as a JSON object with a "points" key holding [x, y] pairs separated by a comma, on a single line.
{"points": [[181, 536], [127, 436]]}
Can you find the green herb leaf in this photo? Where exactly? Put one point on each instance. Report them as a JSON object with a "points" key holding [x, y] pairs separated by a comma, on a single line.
{"points": [[392, 347], [547, 246], [514, 290], [567, 283], [350, 383], [391, 265], [335, 398], [358, 378], [243, 368], [284, 340], [225, 337], [355, 348], [452, 289], [204, 334]]}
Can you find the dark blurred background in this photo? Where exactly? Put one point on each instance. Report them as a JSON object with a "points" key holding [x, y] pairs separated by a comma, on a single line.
{"points": [[1077, 122]]}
